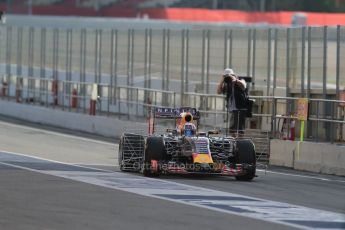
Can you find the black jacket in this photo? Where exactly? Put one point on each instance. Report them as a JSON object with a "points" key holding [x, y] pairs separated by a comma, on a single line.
{"points": [[239, 94]]}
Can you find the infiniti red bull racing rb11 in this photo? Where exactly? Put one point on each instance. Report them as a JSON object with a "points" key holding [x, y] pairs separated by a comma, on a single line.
{"points": [[174, 152]]}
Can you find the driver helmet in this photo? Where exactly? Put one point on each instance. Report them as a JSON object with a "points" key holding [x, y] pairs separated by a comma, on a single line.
{"points": [[188, 117]]}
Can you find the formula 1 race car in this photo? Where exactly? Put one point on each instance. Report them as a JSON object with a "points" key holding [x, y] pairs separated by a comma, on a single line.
{"points": [[174, 152]]}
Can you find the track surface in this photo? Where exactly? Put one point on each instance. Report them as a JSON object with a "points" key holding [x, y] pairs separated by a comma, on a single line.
{"points": [[32, 200]]}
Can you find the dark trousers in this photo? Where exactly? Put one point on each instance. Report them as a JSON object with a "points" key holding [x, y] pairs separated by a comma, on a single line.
{"points": [[237, 121]]}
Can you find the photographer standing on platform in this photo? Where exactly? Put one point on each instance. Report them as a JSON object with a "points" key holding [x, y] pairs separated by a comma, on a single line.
{"points": [[236, 99]]}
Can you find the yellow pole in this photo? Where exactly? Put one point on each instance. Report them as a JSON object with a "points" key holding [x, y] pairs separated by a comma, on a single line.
{"points": [[302, 131]]}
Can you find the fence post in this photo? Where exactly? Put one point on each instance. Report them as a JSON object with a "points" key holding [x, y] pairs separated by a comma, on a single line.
{"points": [[8, 49], [84, 69], [19, 51], [230, 48], [145, 62], [309, 62], [287, 79], [137, 101], [338, 62], [132, 60], [333, 128], [68, 66], [182, 66], [269, 61], [147, 65], [7, 84], [100, 32], [96, 55], [254, 58], [317, 121], [116, 58], [187, 61], [273, 117], [31, 60], [118, 92], [81, 63], [128, 59], [275, 57], [43, 61], [19, 65], [168, 61], [309, 124], [329, 128], [112, 44], [163, 58], [324, 79], [63, 94], [303, 62], [100, 70], [55, 72], [174, 99], [338, 72], [150, 58], [225, 65], [287, 62], [203, 59], [249, 51], [208, 62]]}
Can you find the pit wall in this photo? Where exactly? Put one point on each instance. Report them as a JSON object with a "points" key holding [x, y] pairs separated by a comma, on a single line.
{"points": [[100, 125], [323, 158], [308, 156]]}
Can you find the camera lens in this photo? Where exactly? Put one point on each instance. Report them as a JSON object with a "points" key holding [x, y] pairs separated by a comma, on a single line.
{"points": [[227, 78]]}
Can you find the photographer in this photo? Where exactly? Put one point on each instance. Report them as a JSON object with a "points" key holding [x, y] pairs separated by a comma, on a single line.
{"points": [[235, 91]]}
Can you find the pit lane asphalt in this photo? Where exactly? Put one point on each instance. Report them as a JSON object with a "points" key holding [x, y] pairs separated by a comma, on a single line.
{"points": [[31, 200]]}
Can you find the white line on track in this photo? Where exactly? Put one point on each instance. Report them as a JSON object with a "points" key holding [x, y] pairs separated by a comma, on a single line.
{"points": [[59, 162], [95, 165], [58, 134], [301, 176]]}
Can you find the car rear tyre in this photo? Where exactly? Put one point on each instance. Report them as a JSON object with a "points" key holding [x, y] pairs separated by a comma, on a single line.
{"points": [[246, 155], [154, 150]]}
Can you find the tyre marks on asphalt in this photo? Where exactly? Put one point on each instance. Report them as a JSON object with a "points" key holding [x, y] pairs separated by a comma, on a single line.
{"points": [[271, 211]]}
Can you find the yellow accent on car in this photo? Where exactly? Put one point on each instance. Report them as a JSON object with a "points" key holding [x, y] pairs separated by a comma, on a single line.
{"points": [[202, 158]]}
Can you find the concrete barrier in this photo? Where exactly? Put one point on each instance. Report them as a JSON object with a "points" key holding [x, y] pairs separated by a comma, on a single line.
{"points": [[309, 156], [281, 153], [105, 126]]}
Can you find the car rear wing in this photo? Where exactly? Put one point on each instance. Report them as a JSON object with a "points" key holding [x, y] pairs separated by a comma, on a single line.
{"points": [[173, 113], [169, 113]]}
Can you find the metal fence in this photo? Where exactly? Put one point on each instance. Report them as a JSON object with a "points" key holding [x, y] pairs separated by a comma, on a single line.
{"points": [[177, 66], [326, 117]]}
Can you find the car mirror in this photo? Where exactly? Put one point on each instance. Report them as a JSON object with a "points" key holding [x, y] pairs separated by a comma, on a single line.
{"points": [[213, 132], [201, 134], [172, 131]]}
